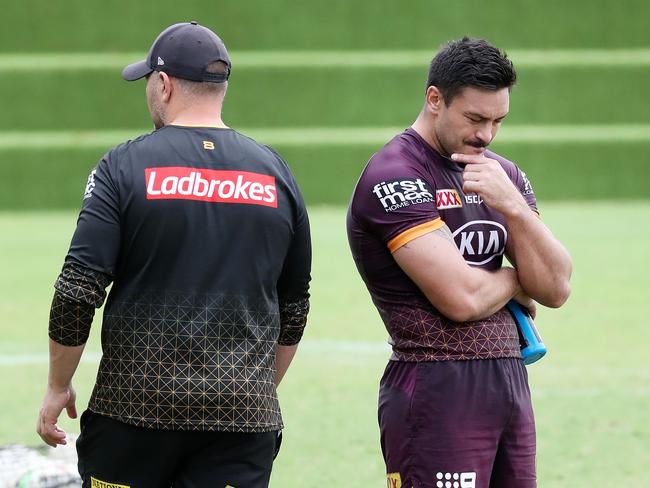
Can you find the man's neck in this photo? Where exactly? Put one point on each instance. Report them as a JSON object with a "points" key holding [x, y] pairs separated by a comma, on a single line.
{"points": [[197, 120], [424, 127]]}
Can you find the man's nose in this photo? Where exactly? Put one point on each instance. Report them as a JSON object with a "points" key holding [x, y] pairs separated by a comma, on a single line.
{"points": [[486, 132]]}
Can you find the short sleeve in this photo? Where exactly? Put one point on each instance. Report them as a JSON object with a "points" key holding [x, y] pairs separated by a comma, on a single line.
{"points": [[396, 209], [96, 241], [523, 184]]}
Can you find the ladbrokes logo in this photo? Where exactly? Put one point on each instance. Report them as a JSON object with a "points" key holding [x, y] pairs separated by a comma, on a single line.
{"points": [[176, 182], [402, 193]]}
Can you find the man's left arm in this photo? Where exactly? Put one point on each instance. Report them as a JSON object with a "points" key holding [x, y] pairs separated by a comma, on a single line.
{"points": [[79, 290], [543, 263], [293, 292]]}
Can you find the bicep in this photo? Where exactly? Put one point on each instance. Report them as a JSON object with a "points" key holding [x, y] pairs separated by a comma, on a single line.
{"points": [[96, 241], [436, 266]]}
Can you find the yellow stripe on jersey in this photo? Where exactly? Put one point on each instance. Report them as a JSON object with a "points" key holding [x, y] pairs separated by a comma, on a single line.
{"points": [[419, 230]]}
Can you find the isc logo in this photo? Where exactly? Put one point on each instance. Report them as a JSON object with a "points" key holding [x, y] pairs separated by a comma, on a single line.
{"points": [[480, 241]]}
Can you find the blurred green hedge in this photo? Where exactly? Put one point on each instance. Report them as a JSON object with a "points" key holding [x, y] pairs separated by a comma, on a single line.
{"points": [[346, 96], [125, 25], [49, 179], [300, 97]]}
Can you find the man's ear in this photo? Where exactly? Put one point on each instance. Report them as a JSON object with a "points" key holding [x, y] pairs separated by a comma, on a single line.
{"points": [[433, 100], [166, 86]]}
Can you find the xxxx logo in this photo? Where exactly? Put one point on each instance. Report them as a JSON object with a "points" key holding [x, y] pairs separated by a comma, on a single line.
{"points": [[448, 199]]}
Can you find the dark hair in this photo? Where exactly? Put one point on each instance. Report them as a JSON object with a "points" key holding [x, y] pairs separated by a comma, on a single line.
{"points": [[470, 62]]}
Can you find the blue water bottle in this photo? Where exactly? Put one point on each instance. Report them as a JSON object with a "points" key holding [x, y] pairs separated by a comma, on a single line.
{"points": [[532, 347]]}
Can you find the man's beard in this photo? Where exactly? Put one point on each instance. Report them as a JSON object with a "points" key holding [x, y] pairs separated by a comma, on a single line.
{"points": [[157, 114]]}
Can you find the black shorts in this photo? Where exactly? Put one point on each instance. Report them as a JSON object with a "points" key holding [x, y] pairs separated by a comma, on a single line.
{"points": [[113, 454]]}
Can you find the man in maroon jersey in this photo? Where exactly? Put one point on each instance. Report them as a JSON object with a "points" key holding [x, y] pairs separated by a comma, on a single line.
{"points": [[430, 219]]}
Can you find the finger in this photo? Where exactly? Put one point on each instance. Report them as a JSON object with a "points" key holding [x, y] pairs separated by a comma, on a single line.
{"points": [[532, 310], [471, 175], [51, 434], [72, 410], [469, 158], [471, 187], [473, 169]]}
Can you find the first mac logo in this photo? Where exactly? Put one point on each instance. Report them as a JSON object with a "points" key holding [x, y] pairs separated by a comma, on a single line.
{"points": [[181, 183], [402, 193]]}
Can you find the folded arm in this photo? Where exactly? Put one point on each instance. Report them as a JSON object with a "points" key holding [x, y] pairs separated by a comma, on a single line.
{"points": [[458, 290], [543, 264]]}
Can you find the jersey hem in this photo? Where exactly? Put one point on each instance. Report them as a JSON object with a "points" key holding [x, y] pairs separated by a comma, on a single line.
{"points": [[186, 425]]}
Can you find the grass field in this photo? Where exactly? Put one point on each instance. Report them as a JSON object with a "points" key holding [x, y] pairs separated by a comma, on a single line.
{"points": [[591, 392]]}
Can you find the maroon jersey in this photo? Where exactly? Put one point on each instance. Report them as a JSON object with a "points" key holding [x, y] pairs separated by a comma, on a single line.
{"points": [[406, 190]]}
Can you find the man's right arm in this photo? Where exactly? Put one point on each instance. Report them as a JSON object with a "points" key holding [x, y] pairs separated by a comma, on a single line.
{"points": [[459, 291]]}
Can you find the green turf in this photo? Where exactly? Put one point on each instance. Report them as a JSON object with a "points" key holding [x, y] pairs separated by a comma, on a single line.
{"points": [[321, 97], [56, 178], [40, 25], [591, 391]]}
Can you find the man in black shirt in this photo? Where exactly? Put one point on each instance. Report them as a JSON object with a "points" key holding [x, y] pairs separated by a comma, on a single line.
{"points": [[204, 234]]}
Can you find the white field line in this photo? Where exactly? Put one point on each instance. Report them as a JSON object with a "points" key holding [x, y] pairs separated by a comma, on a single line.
{"points": [[333, 136], [308, 346], [58, 61]]}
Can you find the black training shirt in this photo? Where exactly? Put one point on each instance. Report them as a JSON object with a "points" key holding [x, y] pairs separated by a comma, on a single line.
{"points": [[205, 236]]}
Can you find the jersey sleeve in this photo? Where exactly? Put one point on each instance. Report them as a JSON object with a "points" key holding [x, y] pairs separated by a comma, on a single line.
{"points": [[396, 209], [293, 284], [96, 241], [523, 184], [90, 264]]}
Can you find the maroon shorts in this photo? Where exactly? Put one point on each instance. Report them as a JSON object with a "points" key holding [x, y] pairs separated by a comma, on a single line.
{"points": [[457, 424]]}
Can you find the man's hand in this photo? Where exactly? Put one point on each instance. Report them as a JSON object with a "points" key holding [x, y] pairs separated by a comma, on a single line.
{"points": [[525, 301], [56, 399], [487, 178]]}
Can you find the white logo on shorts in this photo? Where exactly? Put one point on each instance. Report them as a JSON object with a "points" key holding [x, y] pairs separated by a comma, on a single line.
{"points": [[456, 480]]}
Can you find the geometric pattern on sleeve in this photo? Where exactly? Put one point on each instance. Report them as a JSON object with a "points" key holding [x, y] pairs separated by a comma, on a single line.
{"points": [[70, 321], [293, 319], [82, 284]]}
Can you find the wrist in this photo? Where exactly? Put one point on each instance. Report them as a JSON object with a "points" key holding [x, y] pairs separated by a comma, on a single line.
{"points": [[517, 210], [57, 387]]}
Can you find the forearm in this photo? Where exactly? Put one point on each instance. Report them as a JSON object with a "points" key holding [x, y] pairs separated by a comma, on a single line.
{"points": [[543, 264], [485, 293], [457, 290], [78, 291], [63, 364], [293, 319], [283, 357]]}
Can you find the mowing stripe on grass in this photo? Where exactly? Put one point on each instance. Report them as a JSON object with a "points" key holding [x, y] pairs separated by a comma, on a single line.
{"points": [[333, 136], [328, 59]]}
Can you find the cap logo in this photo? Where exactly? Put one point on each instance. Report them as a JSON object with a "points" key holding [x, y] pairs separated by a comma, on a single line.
{"points": [[160, 61]]}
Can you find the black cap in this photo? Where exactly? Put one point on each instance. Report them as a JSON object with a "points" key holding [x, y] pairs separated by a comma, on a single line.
{"points": [[184, 51]]}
